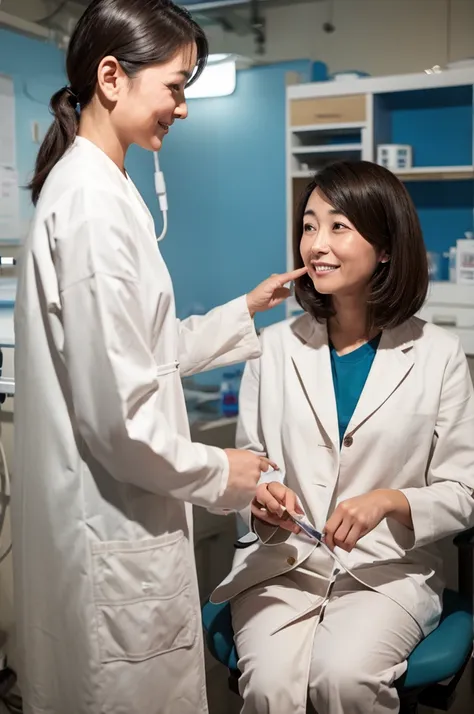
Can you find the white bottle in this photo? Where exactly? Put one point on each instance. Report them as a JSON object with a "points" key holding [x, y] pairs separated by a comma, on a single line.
{"points": [[452, 264], [465, 259]]}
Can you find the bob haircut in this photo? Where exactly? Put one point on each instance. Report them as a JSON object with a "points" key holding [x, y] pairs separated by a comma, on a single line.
{"points": [[381, 210]]}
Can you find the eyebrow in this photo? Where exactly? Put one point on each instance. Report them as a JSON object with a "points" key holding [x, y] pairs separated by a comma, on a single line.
{"points": [[187, 75], [332, 212]]}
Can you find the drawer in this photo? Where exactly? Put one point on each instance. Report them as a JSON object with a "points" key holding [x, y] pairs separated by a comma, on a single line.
{"points": [[449, 316], [328, 110], [452, 294]]}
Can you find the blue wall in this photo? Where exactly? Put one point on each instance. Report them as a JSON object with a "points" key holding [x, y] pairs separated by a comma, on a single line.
{"points": [[225, 176], [224, 168]]}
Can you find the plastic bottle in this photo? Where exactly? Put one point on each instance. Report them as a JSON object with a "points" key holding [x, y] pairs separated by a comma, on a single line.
{"points": [[230, 394]]}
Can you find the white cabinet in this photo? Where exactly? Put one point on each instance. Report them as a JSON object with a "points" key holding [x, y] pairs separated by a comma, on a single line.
{"points": [[451, 306], [431, 113]]}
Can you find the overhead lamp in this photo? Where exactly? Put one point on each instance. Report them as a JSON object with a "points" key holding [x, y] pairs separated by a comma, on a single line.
{"points": [[219, 78]]}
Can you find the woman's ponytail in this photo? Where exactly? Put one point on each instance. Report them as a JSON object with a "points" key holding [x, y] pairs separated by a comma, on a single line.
{"points": [[59, 138]]}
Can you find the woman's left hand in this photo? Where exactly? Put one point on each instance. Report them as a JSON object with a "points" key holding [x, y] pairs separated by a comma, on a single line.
{"points": [[272, 292], [357, 516]]}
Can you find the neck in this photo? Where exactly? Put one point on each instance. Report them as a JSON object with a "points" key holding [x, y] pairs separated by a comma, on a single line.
{"points": [[348, 328], [97, 128]]}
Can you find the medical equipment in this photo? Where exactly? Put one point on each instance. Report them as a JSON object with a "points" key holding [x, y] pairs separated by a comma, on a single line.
{"points": [[7, 676], [4, 499], [160, 188], [310, 531]]}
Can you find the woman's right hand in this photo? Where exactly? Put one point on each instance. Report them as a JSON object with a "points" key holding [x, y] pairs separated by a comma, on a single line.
{"points": [[272, 503], [245, 469]]}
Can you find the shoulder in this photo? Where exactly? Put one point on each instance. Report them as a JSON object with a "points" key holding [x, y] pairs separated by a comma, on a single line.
{"points": [[85, 185], [290, 332], [434, 340]]}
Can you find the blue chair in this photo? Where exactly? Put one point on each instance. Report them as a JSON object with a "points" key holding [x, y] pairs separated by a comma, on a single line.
{"points": [[443, 655]]}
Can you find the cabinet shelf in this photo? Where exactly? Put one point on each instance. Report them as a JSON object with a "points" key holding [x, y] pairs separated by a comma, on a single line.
{"points": [[326, 149], [436, 173], [337, 129], [303, 174], [418, 173]]}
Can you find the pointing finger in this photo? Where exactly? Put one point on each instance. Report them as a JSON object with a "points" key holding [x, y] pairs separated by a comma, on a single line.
{"points": [[292, 275]]}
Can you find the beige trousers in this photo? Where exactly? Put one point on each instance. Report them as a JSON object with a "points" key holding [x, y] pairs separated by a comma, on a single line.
{"points": [[345, 663]]}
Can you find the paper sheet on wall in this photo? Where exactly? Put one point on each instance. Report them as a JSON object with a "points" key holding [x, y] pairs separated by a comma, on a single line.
{"points": [[9, 183], [7, 123], [9, 203]]}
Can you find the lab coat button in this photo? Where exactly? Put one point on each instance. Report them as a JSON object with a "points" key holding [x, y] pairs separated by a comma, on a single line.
{"points": [[146, 587], [291, 560], [348, 441]]}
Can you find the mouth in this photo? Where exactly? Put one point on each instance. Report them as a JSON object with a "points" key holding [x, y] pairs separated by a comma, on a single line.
{"points": [[164, 126], [324, 268]]}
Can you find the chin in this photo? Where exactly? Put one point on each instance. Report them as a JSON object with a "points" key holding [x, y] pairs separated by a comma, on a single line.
{"points": [[326, 286], [152, 144]]}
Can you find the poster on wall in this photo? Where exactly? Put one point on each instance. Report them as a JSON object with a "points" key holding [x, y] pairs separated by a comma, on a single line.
{"points": [[9, 183], [9, 203]]}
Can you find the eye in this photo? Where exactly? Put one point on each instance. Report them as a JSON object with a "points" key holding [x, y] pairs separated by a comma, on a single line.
{"points": [[174, 87], [307, 227], [339, 226]]}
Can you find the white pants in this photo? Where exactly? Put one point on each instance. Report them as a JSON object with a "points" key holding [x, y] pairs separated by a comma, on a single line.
{"points": [[345, 664]]}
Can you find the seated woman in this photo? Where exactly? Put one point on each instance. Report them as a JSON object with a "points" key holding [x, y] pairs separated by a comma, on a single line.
{"points": [[369, 413]]}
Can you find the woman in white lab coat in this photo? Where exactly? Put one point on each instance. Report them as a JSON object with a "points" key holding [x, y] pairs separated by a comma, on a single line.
{"points": [[369, 412], [105, 473]]}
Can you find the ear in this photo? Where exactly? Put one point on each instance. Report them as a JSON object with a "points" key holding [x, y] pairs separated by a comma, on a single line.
{"points": [[110, 78]]}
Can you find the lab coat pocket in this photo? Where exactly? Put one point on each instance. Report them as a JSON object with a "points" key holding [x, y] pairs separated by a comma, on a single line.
{"points": [[143, 598]]}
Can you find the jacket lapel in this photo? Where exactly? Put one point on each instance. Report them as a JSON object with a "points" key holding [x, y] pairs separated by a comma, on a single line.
{"points": [[311, 358], [392, 364], [312, 362]]}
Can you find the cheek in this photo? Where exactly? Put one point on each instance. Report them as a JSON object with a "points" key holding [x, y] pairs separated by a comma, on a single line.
{"points": [[164, 105], [305, 247], [361, 259]]}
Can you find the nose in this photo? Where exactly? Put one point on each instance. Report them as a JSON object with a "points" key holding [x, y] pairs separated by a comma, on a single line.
{"points": [[320, 244], [181, 111]]}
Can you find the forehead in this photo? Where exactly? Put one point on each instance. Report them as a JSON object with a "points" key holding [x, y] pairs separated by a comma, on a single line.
{"points": [[318, 202]]}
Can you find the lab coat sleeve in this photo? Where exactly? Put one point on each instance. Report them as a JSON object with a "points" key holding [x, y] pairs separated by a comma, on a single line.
{"points": [[229, 329], [446, 505], [117, 394], [250, 436]]}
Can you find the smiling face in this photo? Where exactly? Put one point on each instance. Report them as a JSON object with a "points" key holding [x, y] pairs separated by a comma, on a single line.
{"points": [[144, 108], [339, 259]]}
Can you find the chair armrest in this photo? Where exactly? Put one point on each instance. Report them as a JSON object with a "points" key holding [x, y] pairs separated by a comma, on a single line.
{"points": [[465, 539]]}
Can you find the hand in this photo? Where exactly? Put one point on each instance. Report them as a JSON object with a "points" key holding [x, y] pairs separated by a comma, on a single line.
{"points": [[354, 518], [272, 292], [245, 469], [270, 502]]}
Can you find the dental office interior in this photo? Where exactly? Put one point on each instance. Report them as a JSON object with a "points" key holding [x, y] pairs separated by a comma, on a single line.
{"points": [[290, 87]]}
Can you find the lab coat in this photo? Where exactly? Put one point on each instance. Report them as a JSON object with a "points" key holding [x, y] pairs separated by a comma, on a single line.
{"points": [[107, 601], [411, 430]]}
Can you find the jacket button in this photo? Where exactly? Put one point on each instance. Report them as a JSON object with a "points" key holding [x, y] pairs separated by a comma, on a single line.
{"points": [[291, 560], [348, 441]]}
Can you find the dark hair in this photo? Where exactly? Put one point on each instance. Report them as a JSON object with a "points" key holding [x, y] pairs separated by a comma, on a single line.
{"points": [[380, 208], [138, 33]]}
